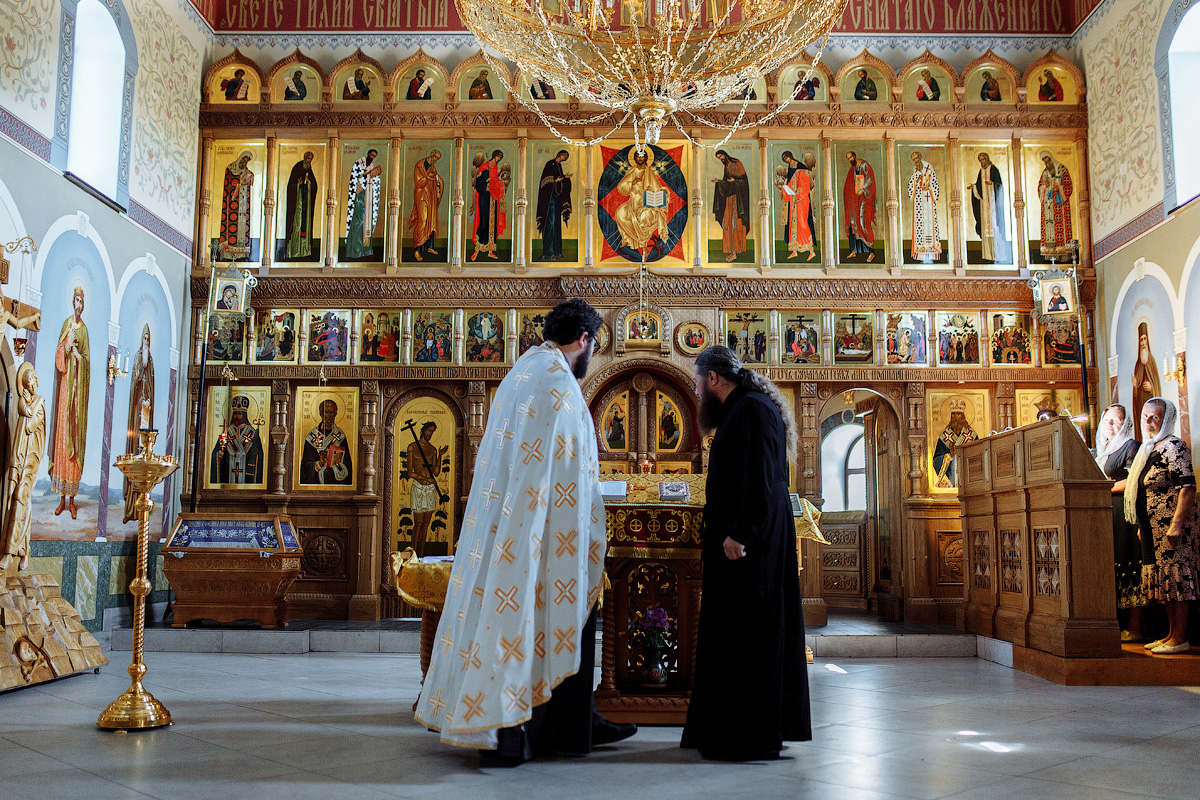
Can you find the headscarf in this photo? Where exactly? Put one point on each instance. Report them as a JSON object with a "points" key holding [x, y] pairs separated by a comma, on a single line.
{"points": [[1170, 416], [1105, 446]]}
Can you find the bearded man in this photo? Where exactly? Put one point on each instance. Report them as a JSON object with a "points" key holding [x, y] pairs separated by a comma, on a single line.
{"points": [[958, 431], [1146, 381], [513, 664], [141, 415], [751, 629]]}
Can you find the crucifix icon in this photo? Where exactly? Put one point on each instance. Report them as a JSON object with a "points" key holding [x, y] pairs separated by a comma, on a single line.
{"points": [[854, 319]]}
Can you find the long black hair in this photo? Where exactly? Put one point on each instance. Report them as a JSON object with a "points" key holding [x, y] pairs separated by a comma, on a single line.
{"points": [[726, 364]]}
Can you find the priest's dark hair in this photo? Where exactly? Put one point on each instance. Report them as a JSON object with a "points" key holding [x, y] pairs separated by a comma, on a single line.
{"points": [[727, 365], [568, 321]]}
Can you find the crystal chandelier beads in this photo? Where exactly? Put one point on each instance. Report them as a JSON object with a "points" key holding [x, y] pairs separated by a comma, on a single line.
{"points": [[651, 61]]}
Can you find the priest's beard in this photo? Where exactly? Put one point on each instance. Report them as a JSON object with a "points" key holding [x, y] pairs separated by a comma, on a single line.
{"points": [[712, 410], [1144, 355], [580, 367]]}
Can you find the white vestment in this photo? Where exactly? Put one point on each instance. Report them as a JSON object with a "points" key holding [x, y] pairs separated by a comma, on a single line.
{"points": [[530, 559], [924, 192]]}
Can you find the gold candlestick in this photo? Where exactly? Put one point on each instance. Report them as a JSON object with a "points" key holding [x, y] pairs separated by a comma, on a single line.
{"points": [[137, 709]]}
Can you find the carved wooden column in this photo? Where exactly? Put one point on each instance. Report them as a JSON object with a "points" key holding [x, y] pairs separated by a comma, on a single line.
{"points": [[827, 338], [511, 341], [1005, 406], [895, 237], [589, 208], [456, 213], [829, 241], [355, 340], [773, 340], [192, 433], [1035, 332], [406, 338], [204, 210], [816, 612], [518, 242], [281, 394], [476, 401], [331, 205], [642, 384], [266, 245], [394, 226], [699, 238], [765, 242], [1020, 241], [459, 337], [957, 234], [914, 396], [1083, 201], [369, 434]]}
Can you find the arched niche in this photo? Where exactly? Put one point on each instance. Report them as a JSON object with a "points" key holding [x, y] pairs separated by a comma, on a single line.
{"points": [[469, 74], [790, 81], [223, 85], [405, 73], [992, 77], [358, 79], [927, 80], [857, 76], [287, 89], [1064, 81]]}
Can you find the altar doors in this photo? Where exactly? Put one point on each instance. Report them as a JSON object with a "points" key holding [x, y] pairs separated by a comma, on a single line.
{"points": [[884, 510], [646, 416]]}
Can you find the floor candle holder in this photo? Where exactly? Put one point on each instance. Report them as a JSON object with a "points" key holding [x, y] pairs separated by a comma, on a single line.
{"points": [[137, 709]]}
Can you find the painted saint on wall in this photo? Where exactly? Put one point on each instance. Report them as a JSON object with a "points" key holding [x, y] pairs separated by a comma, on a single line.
{"points": [[746, 335], [731, 207], [1050, 88], [928, 89], [865, 88], [141, 414], [68, 426], [958, 338], [489, 217], [924, 193], [381, 335], [328, 337], [428, 188], [906, 337], [1147, 382], [1054, 194], [802, 337], [327, 457], [275, 336], [420, 87], [433, 333], [294, 87], [236, 451], [553, 207], [301, 200], [615, 429], [236, 206], [236, 87], [853, 338], [530, 335], [795, 181], [643, 208], [859, 206], [956, 432], [990, 209], [357, 86], [481, 87], [362, 206], [423, 477]]}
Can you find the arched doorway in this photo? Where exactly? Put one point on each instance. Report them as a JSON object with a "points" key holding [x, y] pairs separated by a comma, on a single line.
{"points": [[645, 414], [861, 475]]}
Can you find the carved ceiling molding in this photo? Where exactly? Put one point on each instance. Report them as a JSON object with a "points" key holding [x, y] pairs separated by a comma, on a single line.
{"points": [[609, 290], [1057, 119]]}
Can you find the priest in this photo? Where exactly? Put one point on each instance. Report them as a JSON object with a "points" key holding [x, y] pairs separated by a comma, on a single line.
{"points": [[750, 685], [513, 662]]}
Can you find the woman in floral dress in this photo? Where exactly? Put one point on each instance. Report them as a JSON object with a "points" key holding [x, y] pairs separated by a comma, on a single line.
{"points": [[1160, 496]]}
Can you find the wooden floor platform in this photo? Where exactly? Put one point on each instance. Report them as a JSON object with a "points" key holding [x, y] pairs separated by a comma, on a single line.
{"points": [[1135, 667]]}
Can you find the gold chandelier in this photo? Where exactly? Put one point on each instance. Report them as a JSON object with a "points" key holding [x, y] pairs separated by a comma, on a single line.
{"points": [[652, 60]]}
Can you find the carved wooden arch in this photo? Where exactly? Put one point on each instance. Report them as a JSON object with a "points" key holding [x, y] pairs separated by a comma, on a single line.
{"points": [[803, 60], [925, 60], [836, 389], [236, 57], [295, 58], [392, 406], [478, 60], [620, 366], [357, 58], [425, 60], [1053, 59], [665, 332], [990, 60], [865, 59]]}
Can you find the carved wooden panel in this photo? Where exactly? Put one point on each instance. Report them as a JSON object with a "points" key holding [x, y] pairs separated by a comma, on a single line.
{"points": [[1011, 561], [324, 554], [1046, 567], [950, 558], [981, 559]]}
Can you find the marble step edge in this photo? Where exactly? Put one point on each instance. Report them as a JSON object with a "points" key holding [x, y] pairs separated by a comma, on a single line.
{"points": [[218, 640]]}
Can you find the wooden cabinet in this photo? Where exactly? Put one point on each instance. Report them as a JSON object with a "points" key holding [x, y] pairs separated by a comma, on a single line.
{"points": [[1038, 554]]}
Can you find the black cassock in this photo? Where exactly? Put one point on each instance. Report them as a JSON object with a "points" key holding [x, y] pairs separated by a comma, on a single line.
{"points": [[750, 687]]}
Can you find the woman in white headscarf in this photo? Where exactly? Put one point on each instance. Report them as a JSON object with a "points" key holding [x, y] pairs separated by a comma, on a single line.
{"points": [[1115, 451], [1160, 496]]}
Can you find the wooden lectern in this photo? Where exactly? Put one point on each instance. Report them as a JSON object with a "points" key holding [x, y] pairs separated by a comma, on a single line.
{"points": [[1037, 542]]}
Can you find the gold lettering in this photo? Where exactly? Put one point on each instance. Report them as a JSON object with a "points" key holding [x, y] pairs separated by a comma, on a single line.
{"points": [[230, 13], [986, 20], [855, 9], [368, 13], [882, 16], [930, 14], [278, 9]]}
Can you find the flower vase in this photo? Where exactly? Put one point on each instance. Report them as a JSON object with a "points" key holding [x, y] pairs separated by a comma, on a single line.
{"points": [[654, 670]]}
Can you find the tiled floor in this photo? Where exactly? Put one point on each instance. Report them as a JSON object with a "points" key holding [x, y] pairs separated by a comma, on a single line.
{"points": [[337, 726]]}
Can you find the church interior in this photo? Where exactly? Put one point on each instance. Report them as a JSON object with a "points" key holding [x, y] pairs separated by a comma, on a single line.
{"points": [[311, 237]]}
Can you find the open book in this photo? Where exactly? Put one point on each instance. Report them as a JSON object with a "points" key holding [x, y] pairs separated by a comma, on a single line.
{"points": [[657, 199]]}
